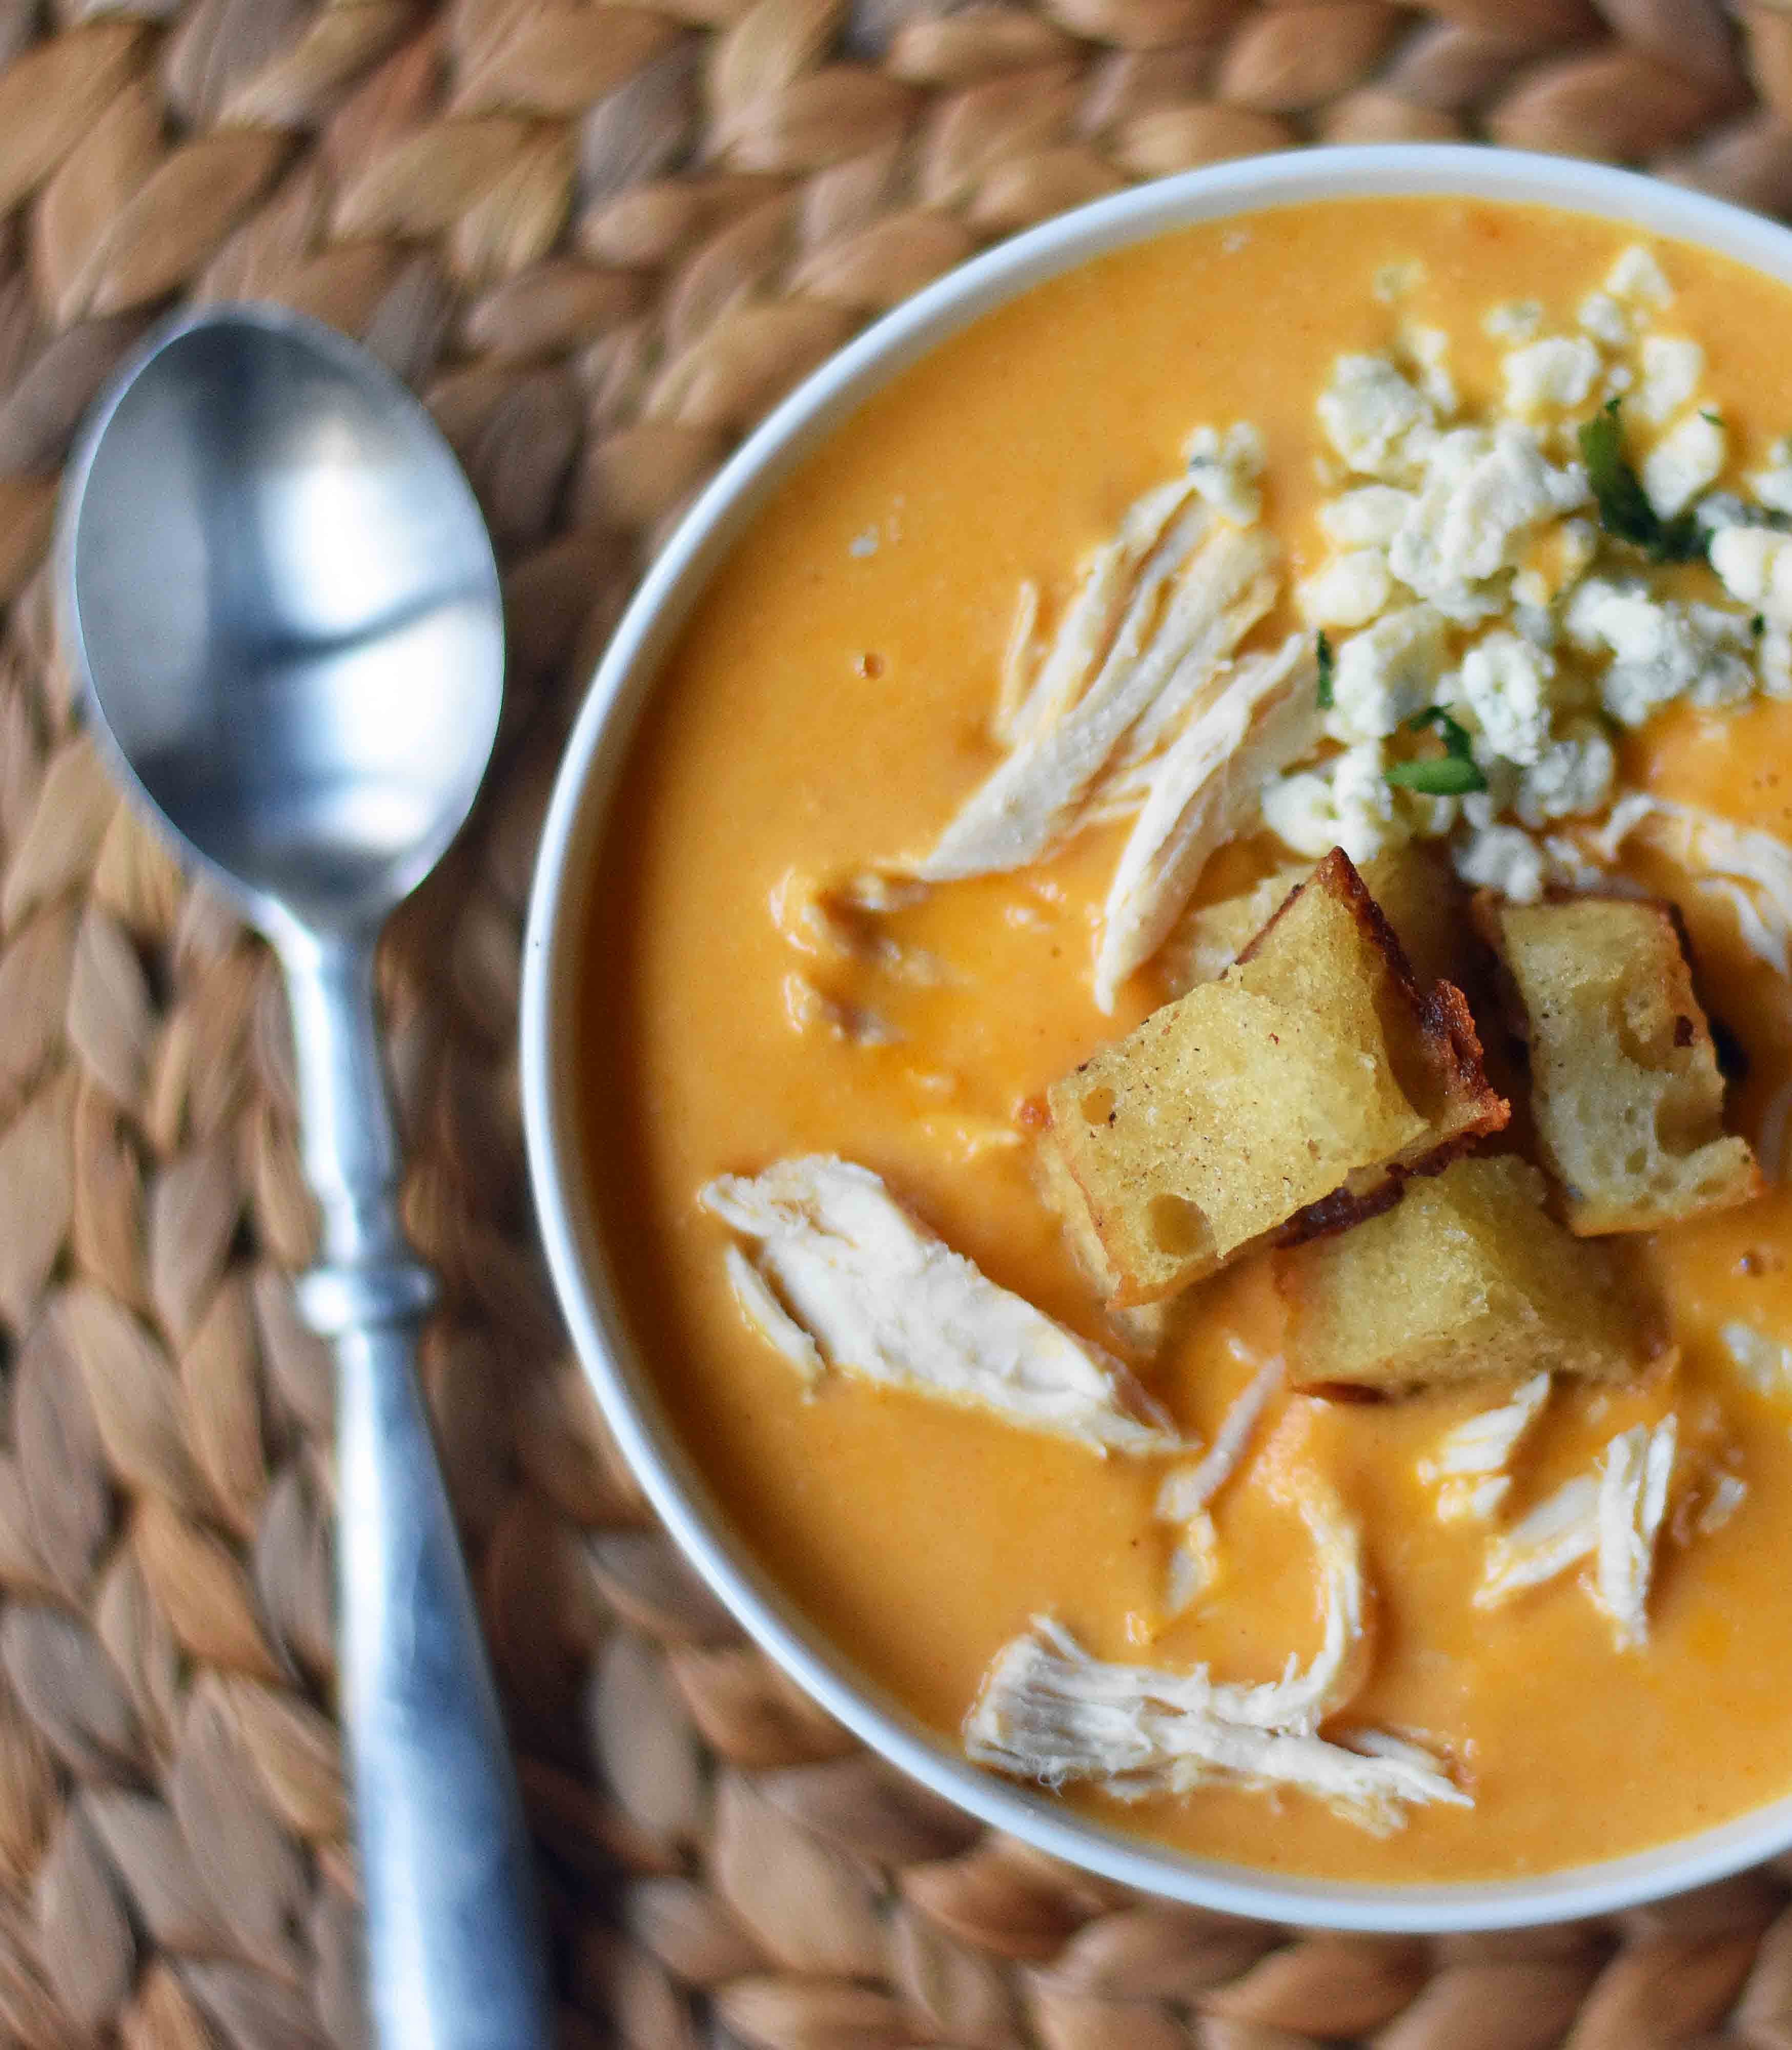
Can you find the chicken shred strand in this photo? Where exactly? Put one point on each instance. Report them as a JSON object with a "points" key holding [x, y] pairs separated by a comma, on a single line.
{"points": [[1468, 1468], [1633, 1477], [1187, 1490], [1033, 797], [878, 1295], [1204, 792], [1050, 1712]]}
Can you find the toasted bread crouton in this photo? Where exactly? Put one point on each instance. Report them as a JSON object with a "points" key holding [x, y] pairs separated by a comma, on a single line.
{"points": [[1311, 1066], [1414, 887], [1422, 897], [1209, 938], [1625, 1091], [1466, 1276], [1144, 1327]]}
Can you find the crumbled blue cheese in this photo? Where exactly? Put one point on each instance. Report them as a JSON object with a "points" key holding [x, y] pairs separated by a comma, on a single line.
{"points": [[1687, 460], [1347, 801], [1572, 777], [1755, 566], [1369, 517], [1506, 683], [1371, 414], [1554, 374], [1349, 591], [1223, 469], [1673, 369], [1602, 317], [1488, 523], [1515, 320], [1386, 673], [1773, 486], [1484, 493], [1638, 276], [1501, 858], [1428, 349], [1576, 544], [1662, 650], [1773, 661]]}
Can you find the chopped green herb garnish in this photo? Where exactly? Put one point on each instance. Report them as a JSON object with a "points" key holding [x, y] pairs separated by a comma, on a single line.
{"points": [[1456, 739], [1758, 625], [1711, 414], [1438, 776], [1452, 774], [1328, 665], [1625, 511]]}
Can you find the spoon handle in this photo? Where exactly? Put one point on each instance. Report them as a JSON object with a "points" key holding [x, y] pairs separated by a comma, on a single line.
{"points": [[455, 1957]]}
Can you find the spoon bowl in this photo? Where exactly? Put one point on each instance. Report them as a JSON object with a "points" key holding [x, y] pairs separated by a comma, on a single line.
{"points": [[285, 601]]}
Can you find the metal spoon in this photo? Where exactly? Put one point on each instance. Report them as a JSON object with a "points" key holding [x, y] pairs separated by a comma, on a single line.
{"points": [[278, 585]]}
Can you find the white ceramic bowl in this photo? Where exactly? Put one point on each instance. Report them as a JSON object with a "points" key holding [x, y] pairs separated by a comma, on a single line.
{"points": [[595, 756]]}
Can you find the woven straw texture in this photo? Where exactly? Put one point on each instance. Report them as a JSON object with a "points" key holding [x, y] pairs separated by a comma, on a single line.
{"points": [[600, 240]]}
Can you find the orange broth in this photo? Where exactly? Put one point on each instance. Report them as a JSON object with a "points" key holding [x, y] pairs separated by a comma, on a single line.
{"points": [[827, 707]]}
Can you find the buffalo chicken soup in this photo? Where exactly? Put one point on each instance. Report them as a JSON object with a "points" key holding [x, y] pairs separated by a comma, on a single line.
{"points": [[1190, 1038]]}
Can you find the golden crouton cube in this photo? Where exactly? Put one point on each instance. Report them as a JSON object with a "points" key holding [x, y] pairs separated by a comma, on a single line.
{"points": [[1467, 1276], [1414, 887], [1624, 1088], [1209, 938], [1141, 1328], [1310, 1073]]}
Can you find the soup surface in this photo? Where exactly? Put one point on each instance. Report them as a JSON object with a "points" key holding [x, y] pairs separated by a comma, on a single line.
{"points": [[828, 709]]}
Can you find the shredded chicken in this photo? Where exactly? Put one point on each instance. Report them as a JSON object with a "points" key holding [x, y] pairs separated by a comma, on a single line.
{"points": [[1751, 871], [1016, 661], [876, 1294], [768, 1316], [1563, 1529], [824, 923], [1633, 1477], [1728, 1492], [1612, 1516], [1468, 1468], [809, 1009], [1187, 1490], [1204, 792], [1187, 615], [1050, 1712], [1764, 1363], [1194, 1564], [1090, 621]]}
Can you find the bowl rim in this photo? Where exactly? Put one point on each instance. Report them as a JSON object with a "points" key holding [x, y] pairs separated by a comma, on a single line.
{"points": [[583, 790]]}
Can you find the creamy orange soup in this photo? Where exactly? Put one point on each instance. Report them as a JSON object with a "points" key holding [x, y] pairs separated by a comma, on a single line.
{"points": [[827, 706]]}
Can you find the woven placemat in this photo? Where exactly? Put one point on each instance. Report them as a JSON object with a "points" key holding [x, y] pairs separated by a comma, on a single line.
{"points": [[600, 240]]}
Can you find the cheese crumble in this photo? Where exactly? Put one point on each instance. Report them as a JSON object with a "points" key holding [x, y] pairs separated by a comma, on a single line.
{"points": [[1470, 569]]}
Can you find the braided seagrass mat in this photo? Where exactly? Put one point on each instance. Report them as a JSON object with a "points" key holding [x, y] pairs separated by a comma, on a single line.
{"points": [[600, 239]]}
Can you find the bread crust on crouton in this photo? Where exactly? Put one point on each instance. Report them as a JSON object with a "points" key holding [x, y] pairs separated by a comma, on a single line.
{"points": [[1447, 1081], [1467, 1277], [1413, 886], [1143, 1328], [1312, 1072], [1625, 1091]]}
